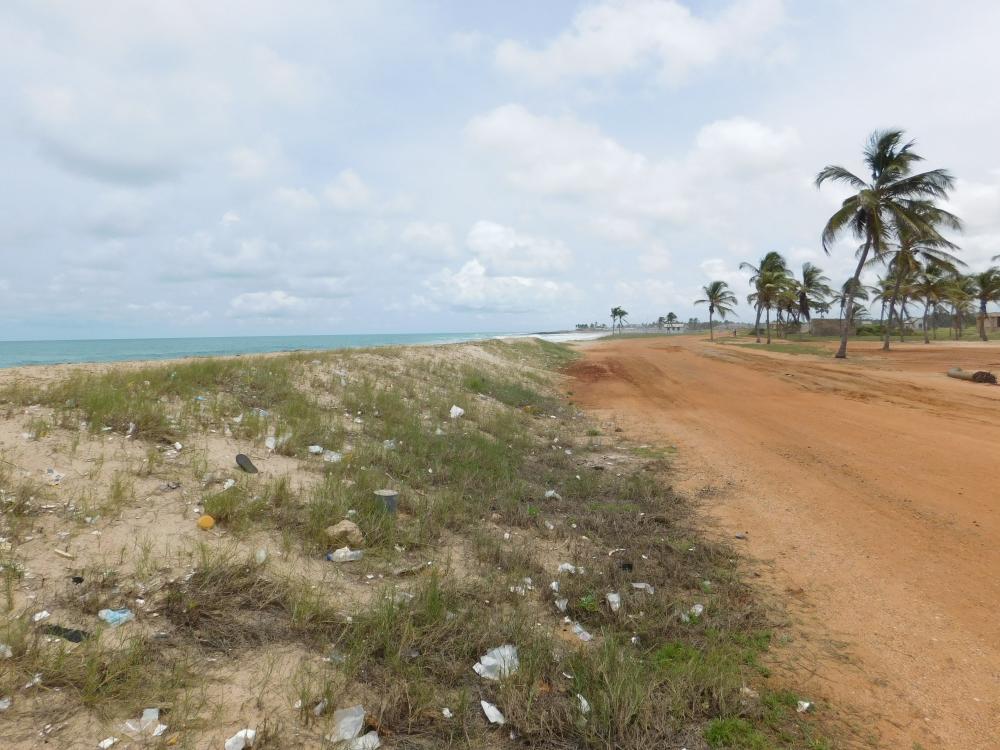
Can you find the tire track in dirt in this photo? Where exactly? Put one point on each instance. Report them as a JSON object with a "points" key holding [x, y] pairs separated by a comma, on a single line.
{"points": [[869, 490]]}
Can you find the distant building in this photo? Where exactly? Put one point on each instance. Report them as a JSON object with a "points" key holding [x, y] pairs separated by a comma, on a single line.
{"points": [[830, 327], [673, 327]]}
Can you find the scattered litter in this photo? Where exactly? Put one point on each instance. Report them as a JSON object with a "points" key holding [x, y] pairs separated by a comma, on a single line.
{"points": [[64, 553], [116, 617], [178, 446], [315, 449], [244, 462], [4, 704], [228, 484], [270, 442], [389, 445], [5, 651], [106, 743], [561, 604], [368, 741], [260, 556], [206, 522], [569, 568], [347, 724], [614, 601], [455, 413], [549, 525], [635, 640], [35, 681], [39, 616], [446, 713], [53, 477], [749, 692], [146, 725], [492, 713], [242, 739], [389, 498], [615, 551], [584, 704], [332, 457], [497, 663], [803, 706], [697, 610], [552, 495], [643, 587], [73, 635], [741, 535], [344, 554], [554, 586], [581, 633]]}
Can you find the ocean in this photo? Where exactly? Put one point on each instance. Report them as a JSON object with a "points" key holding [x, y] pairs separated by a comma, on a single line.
{"points": [[19, 353]]}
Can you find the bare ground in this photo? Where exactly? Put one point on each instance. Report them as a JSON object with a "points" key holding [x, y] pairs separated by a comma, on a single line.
{"points": [[868, 491]]}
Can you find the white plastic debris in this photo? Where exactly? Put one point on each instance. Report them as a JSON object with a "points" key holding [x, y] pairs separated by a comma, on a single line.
{"points": [[584, 704], [389, 445], [35, 681], [39, 616], [178, 446], [552, 495], [53, 477], [643, 587], [107, 742], [4, 704], [345, 554], [270, 442], [492, 713], [554, 586], [695, 611], [569, 568], [315, 449], [614, 601], [368, 741], [455, 413], [5, 651], [347, 724], [242, 739], [320, 708], [497, 663], [260, 556], [228, 484], [803, 706], [116, 617], [446, 713], [147, 725], [581, 633], [561, 604], [549, 526], [332, 457]]}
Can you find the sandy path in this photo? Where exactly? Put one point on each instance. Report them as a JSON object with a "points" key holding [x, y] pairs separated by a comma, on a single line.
{"points": [[869, 490]]}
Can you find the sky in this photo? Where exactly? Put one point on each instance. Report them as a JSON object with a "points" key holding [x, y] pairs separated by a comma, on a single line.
{"points": [[183, 168]]}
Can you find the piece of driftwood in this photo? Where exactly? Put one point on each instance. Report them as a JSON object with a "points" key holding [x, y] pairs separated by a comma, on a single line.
{"points": [[978, 376]]}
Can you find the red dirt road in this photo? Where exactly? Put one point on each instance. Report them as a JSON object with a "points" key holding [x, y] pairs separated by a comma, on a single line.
{"points": [[869, 493]]}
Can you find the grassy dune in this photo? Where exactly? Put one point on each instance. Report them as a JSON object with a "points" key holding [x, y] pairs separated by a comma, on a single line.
{"points": [[246, 625]]}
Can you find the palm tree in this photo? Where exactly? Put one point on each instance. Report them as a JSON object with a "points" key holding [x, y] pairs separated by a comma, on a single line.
{"points": [[772, 261], [619, 315], [814, 289], [851, 292], [893, 201], [767, 289], [930, 287], [719, 299], [987, 290], [960, 294], [671, 317]]}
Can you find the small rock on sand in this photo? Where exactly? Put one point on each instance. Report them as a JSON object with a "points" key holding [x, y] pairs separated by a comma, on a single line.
{"points": [[347, 532]]}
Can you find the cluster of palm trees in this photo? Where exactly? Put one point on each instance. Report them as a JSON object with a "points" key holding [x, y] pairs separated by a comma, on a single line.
{"points": [[618, 316], [895, 216]]}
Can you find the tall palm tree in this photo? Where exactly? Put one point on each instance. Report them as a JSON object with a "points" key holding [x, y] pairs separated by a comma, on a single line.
{"points": [[987, 290], [719, 299], [960, 293], [813, 288], [848, 297], [930, 286], [619, 315], [893, 200], [671, 317], [767, 289], [772, 261]]}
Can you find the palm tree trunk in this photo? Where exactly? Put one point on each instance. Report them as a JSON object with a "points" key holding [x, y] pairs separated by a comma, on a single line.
{"points": [[711, 327], [756, 325], [982, 320], [769, 325], [845, 322], [892, 307], [926, 339]]}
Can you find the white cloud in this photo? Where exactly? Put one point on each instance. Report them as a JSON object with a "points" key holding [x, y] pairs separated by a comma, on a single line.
{"points": [[471, 288], [295, 199], [348, 192], [743, 146], [265, 304], [229, 218], [503, 250], [621, 36], [429, 239]]}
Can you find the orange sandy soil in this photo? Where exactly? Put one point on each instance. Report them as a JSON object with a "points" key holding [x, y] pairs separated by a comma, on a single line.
{"points": [[868, 491]]}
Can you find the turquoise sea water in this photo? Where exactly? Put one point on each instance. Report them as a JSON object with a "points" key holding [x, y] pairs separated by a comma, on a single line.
{"points": [[17, 353]]}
